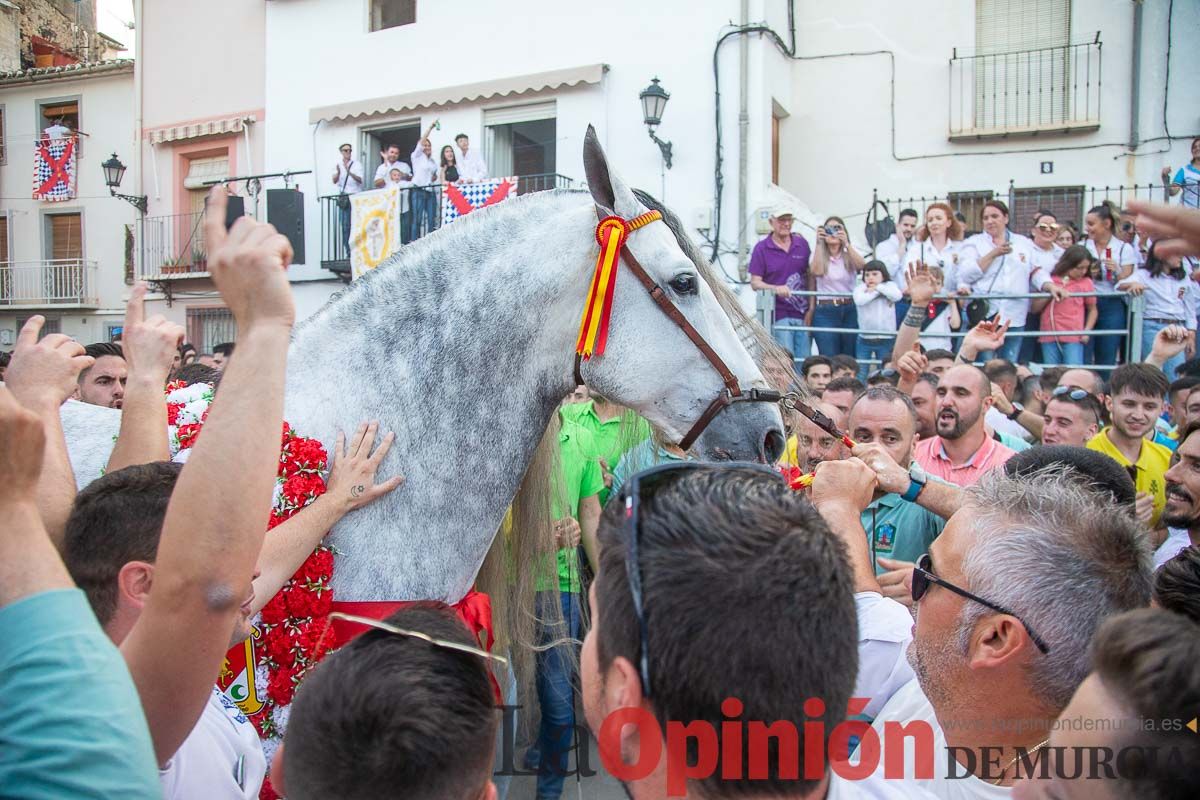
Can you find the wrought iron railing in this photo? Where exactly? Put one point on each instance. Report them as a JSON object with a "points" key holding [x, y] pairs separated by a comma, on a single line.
{"points": [[171, 245], [423, 212], [58, 282], [1026, 92]]}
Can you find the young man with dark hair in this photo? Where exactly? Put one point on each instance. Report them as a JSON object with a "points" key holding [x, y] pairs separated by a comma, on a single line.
{"points": [[843, 366], [103, 383], [685, 643], [816, 372], [221, 354], [1177, 584], [1072, 417], [924, 400], [1144, 670], [1177, 394], [939, 361], [393, 716], [842, 392], [1135, 402]]}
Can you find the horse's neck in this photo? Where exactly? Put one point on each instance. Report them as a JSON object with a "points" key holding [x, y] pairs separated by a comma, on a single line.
{"points": [[463, 347]]}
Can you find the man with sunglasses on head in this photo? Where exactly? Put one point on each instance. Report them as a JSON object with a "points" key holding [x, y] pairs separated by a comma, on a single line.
{"points": [[1007, 600], [1072, 417], [722, 600]]}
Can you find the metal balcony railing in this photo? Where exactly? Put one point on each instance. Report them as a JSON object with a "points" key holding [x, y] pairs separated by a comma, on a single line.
{"points": [[171, 246], [39, 284], [1026, 92], [335, 253]]}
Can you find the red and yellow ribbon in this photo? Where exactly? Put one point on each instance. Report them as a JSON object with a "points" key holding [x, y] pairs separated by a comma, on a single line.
{"points": [[611, 233]]}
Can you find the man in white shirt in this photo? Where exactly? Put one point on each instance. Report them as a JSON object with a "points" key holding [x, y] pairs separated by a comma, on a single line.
{"points": [[391, 160], [891, 252], [471, 168], [1007, 600], [741, 616], [195, 533], [347, 177], [424, 200]]}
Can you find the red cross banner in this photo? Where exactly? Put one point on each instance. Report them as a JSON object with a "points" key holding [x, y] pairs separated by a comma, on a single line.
{"points": [[461, 199], [54, 169]]}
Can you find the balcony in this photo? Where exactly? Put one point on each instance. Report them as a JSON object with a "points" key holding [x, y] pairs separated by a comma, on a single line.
{"points": [[1025, 93], [335, 254], [171, 247], [61, 283]]}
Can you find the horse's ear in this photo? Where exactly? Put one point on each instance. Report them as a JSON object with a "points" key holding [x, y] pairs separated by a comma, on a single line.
{"points": [[608, 191]]}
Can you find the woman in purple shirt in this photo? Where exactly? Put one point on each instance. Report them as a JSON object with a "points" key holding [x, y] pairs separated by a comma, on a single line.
{"points": [[835, 266], [779, 263]]}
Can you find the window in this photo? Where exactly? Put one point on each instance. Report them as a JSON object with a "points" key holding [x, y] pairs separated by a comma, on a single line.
{"points": [[59, 111], [208, 326], [64, 236], [1064, 202], [52, 325], [63, 272], [970, 205], [392, 13], [522, 141]]}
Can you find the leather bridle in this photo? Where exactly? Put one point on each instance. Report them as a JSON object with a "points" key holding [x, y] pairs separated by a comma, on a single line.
{"points": [[732, 393]]}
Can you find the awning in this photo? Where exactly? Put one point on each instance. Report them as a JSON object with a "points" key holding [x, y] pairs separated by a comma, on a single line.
{"points": [[211, 127], [449, 95]]}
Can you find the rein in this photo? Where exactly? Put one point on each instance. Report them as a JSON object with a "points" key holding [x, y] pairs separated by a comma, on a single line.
{"points": [[611, 234]]}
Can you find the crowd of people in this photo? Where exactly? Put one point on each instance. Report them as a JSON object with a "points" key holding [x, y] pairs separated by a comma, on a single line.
{"points": [[417, 178], [851, 303], [989, 588]]}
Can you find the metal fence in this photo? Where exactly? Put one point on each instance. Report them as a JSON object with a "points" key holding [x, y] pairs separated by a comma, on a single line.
{"points": [[422, 214], [65, 281], [1027, 91], [1069, 203], [1132, 331], [171, 245]]}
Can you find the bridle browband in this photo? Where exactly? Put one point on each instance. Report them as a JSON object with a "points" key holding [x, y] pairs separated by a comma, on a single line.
{"points": [[733, 392]]}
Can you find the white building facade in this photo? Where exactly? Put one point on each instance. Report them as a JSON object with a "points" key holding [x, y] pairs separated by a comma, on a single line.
{"points": [[1028, 100], [68, 260]]}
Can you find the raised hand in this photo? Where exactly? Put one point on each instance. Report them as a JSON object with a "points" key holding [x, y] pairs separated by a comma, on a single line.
{"points": [[1001, 401], [1168, 343], [920, 284], [891, 477], [249, 265], [848, 483], [987, 335], [352, 480], [44, 373], [149, 345], [1175, 229], [567, 533]]}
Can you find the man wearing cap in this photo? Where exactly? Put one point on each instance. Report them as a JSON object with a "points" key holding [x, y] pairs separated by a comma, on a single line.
{"points": [[779, 263]]}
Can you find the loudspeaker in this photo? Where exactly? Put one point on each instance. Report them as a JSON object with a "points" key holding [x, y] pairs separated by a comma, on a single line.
{"points": [[285, 210]]}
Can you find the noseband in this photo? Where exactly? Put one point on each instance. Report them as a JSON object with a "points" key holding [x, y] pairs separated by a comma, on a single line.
{"points": [[611, 233]]}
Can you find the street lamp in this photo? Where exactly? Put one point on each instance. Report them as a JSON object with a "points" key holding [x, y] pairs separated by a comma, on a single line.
{"points": [[114, 171], [654, 101]]}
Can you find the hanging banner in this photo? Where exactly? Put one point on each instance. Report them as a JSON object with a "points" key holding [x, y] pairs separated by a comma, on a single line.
{"points": [[374, 228], [54, 169], [461, 199]]}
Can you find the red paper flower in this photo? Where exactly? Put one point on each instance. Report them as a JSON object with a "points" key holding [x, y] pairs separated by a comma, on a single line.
{"points": [[318, 565], [173, 410], [275, 611], [301, 487], [187, 434], [306, 454], [280, 687], [173, 385]]}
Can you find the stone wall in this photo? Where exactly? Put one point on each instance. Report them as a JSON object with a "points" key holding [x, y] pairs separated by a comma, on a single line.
{"points": [[70, 25]]}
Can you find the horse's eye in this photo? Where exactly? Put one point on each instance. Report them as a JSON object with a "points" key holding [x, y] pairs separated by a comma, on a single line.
{"points": [[684, 283]]}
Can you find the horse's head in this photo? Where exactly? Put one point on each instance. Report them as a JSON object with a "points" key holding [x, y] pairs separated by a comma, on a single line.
{"points": [[650, 364]]}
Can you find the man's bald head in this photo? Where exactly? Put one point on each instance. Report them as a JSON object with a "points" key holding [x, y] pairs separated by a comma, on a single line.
{"points": [[965, 372], [1085, 379]]}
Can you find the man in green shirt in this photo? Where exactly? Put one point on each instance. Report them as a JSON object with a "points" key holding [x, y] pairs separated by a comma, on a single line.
{"points": [[910, 507], [614, 430], [576, 508]]}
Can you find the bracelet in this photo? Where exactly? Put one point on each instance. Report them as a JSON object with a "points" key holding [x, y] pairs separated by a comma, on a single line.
{"points": [[960, 359], [915, 316]]}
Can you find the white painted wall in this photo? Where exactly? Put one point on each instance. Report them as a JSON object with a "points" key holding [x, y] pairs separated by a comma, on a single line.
{"points": [[107, 118]]}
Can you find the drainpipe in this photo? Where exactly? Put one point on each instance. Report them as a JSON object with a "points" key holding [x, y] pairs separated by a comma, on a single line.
{"points": [[138, 163], [1135, 79], [743, 141]]}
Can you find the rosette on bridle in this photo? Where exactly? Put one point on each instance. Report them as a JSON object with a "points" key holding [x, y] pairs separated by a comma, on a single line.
{"points": [[611, 233]]}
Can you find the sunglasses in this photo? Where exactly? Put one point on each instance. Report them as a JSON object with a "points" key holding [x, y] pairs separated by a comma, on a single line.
{"points": [[1073, 392], [923, 578], [1046, 226], [649, 479], [886, 374]]}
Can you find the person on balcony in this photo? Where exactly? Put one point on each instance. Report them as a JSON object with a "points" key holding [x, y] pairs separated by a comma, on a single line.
{"points": [[470, 164], [1000, 262], [347, 176], [448, 169], [425, 173]]}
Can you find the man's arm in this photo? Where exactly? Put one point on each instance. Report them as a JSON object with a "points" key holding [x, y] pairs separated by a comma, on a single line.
{"points": [[1168, 343], [920, 290], [41, 376], [351, 485], [218, 513], [942, 499], [840, 491], [149, 346], [1026, 419], [589, 523]]}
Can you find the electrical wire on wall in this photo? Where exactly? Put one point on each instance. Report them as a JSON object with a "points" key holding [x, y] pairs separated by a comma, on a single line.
{"points": [[789, 51]]}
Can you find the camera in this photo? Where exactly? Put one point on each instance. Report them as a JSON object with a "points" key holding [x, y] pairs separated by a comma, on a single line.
{"points": [[831, 231]]}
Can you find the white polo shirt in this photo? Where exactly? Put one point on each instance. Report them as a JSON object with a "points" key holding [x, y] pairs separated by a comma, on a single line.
{"points": [[221, 759], [1013, 273], [470, 165]]}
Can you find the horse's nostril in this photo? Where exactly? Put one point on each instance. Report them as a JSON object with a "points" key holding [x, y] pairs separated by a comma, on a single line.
{"points": [[773, 445]]}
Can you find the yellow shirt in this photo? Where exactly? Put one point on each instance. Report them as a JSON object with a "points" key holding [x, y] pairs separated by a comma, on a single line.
{"points": [[1152, 465]]}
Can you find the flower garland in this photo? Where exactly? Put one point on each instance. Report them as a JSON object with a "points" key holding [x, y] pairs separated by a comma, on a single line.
{"points": [[292, 623]]}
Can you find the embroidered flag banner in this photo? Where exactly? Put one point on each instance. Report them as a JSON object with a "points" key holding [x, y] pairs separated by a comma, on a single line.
{"points": [[54, 169], [468, 197], [374, 228]]}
